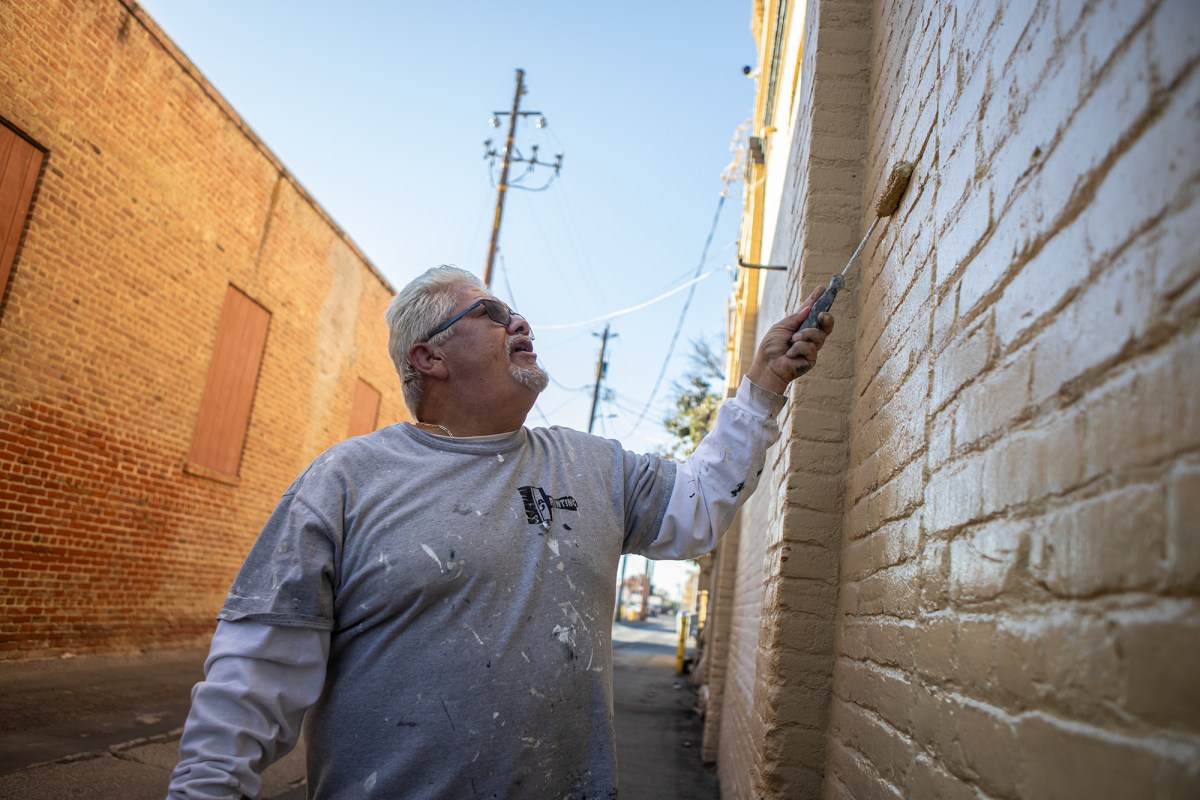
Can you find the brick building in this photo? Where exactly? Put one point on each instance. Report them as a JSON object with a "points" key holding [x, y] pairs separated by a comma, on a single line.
{"points": [[182, 329], [973, 567]]}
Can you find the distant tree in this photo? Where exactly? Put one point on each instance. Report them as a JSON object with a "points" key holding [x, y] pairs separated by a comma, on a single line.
{"points": [[696, 400]]}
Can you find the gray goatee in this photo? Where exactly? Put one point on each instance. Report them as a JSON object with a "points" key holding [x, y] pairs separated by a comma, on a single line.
{"points": [[532, 377]]}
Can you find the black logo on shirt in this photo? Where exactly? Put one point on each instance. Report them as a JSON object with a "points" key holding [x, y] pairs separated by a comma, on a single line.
{"points": [[539, 506]]}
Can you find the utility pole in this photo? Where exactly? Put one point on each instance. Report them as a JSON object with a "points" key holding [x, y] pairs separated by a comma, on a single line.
{"points": [[509, 156], [646, 584], [619, 614], [601, 369], [503, 187]]}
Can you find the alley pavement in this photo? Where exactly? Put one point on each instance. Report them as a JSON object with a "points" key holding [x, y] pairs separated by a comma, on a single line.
{"points": [[658, 731], [101, 727]]}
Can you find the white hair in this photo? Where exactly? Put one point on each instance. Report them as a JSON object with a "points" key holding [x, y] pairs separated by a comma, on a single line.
{"points": [[418, 308]]}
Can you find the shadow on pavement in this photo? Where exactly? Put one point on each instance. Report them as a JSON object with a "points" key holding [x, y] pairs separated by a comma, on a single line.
{"points": [[658, 732]]}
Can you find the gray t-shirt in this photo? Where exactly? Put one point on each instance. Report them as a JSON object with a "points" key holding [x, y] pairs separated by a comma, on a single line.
{"points": [[468, 585]]}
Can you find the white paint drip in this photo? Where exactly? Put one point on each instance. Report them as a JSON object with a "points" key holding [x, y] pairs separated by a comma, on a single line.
{"points": [[559, 567], [369, 784], [536, 693], [565, 634], [553, 546], [473, 633], [500, 458], [429, 552], [387, 565], [571, 613]]}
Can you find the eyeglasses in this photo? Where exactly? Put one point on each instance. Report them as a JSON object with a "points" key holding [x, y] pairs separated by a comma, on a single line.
{"points": [[499, 313]]}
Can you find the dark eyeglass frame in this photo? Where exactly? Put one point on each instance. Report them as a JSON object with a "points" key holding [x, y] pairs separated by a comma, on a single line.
{"points": [[497, 311]]}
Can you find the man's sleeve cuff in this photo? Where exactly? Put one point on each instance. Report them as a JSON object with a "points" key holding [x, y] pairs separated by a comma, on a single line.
{"points": [[759, 401]]}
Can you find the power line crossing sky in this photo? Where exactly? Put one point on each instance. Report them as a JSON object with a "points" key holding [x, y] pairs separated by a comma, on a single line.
{"points": [[380, 110]]}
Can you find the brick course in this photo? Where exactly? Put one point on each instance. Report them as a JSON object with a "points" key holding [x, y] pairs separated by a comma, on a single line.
{"points": [[154, 198], [1014, 526]]}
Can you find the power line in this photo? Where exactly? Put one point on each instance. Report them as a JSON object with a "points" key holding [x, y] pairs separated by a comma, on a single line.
{"points": [[558, 408], [631, 408], [682, 314], [512, 298], [479, 227], [538, 409], [574, 239], [569, 287], [692, 283], [559, 384]]}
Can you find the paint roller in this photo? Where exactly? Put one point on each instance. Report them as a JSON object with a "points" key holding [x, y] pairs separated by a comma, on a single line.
{"points": [[889, 201]]}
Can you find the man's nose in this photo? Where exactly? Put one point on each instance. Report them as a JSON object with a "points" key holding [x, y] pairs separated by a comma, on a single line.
{"points": [[519, 325]]}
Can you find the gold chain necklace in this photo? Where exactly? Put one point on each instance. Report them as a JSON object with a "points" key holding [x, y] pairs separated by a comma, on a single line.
{"points": [[443, 428]]}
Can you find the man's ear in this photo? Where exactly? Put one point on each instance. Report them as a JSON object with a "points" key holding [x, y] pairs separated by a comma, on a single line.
{"points": [[426, 360]]}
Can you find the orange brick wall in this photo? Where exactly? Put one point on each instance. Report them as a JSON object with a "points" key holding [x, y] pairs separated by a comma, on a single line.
{"points": [[154, 198], [1004, 498]]}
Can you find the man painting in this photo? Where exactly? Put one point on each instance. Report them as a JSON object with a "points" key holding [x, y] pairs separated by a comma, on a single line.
{"points": [[432, 602]]}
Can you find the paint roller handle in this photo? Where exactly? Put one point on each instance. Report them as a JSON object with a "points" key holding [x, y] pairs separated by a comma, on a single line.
{"points": [[824, 303]]}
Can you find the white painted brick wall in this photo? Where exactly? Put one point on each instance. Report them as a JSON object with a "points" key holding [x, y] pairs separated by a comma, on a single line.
{"points": [[1019, 569], [1019, 576]]}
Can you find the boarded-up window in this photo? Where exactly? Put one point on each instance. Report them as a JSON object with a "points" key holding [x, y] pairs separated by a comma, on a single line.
{"points": [[364, 413], [20, 163], [229, 387]]}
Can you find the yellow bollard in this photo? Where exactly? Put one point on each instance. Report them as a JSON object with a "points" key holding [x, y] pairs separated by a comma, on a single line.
{"points": [[683, 626]]}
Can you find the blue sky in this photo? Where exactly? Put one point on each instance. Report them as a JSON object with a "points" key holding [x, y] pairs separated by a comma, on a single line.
{"points": [[380, 110]]}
